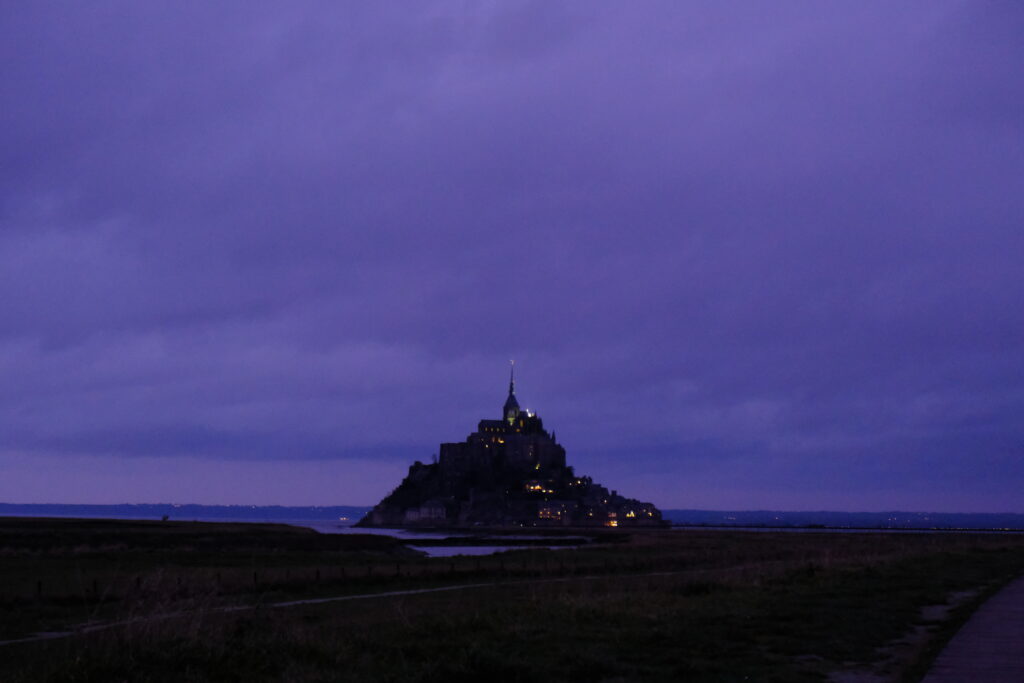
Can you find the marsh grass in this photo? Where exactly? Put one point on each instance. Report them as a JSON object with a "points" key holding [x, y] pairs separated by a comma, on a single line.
{"points": [[671, 606]]}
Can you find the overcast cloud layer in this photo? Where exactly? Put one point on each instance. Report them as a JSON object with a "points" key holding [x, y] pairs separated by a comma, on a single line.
{"points": [[746, 255]]}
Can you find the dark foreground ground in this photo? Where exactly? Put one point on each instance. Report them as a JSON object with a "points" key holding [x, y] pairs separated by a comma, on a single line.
{"points": [[636, 606]]}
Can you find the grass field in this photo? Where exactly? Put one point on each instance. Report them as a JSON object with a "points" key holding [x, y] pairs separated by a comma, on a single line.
{"points": [[639, 606]]}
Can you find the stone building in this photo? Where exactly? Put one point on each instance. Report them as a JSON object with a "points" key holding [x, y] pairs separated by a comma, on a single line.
{"points": [[517, 441]]}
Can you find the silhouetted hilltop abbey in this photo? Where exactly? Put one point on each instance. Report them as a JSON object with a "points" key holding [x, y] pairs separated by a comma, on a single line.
{"points": [[509, 472]]}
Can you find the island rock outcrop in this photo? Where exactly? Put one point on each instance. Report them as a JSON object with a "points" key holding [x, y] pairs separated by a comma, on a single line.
{"points": [[509, 472]]}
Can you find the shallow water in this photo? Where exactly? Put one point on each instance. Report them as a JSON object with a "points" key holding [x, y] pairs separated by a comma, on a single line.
{"points": [[341, 527], [476, 550], [346, 527]]}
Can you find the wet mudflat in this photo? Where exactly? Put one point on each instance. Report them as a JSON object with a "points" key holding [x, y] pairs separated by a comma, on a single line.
{"points": [[679, 605]]}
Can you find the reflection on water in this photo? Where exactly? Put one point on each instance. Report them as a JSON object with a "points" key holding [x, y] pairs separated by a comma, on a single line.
{"points": [[453, 550], [348, 528], [341, 527]]}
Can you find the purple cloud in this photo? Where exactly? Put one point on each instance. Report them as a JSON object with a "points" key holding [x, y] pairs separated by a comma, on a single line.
{"points": [[746, 256]]}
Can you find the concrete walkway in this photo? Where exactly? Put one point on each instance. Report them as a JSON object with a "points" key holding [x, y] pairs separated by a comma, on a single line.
{"points": [[990, 646]]}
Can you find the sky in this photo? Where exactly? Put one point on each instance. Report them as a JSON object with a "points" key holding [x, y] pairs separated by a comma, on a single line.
{"points": [[746, 255]]}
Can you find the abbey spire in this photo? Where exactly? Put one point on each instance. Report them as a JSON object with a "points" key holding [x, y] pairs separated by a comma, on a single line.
{"points": [[511, 409]]}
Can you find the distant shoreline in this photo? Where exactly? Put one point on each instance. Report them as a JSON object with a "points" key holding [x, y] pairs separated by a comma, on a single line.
{"points": [[853, 529], [708, 519]]}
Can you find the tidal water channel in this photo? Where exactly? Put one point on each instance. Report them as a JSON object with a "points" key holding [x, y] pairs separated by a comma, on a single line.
{"points": [[463, 543]]}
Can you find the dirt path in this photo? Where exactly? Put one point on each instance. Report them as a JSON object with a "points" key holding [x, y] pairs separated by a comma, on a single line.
{"points": [[990, 646], [99, 626]]}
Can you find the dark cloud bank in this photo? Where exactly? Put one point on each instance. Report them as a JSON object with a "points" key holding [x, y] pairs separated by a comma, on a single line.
{"points": [[747, 255]]}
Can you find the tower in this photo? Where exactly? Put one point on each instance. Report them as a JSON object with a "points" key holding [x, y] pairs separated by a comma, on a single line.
{"points": [[511, 409]]}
